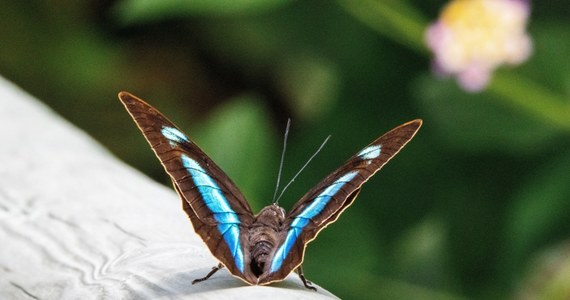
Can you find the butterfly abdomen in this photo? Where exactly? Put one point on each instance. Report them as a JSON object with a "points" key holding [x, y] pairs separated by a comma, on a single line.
{"points": [[260, 253], [263, 238]]}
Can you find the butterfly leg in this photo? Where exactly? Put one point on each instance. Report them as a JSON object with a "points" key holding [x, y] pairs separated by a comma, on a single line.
{"points": [[214, 270], [306, 282]]}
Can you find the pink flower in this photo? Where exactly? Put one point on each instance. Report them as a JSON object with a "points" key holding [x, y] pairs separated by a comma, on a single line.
{"points": [[474, 37]]}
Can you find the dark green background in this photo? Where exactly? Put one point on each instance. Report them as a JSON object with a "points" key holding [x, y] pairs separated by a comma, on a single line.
{"points": [[476, 206]]}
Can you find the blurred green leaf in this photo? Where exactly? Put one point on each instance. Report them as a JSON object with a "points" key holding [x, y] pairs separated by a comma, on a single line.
{"points": [[549, 63], [383, 288], [479, 123], [541, 86], [539, 212], [238, 137], [311, 83], [356, 252], [141, 11], [420, 254], [548, 276], [396, 19]]}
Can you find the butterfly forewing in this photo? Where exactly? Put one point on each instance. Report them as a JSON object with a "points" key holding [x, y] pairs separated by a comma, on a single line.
{"points": [[327, 200], [216, 208]]}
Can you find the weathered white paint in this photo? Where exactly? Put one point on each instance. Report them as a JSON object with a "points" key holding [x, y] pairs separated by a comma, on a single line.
{"points": [[75, 223]]}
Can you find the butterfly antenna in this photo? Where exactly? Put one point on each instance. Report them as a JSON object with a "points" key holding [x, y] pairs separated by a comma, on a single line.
{"points": [[305, 165], [282, 159]]}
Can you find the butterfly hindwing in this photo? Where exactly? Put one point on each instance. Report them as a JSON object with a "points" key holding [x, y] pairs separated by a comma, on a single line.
{"points": [[217, 209], [324, 203]]}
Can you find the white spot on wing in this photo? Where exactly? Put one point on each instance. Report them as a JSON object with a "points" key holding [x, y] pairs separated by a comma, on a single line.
{"points": [[174, 135], [370, 152]]}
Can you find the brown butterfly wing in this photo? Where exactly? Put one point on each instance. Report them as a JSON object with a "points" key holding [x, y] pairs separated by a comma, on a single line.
{"points": [[324, 203], [217, 209]]}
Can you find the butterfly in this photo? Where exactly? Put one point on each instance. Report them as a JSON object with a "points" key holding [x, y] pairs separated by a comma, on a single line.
{"points": [[265, 247]]}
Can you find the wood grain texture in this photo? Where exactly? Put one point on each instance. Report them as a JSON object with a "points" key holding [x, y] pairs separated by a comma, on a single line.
{"points": [[76, 223]]}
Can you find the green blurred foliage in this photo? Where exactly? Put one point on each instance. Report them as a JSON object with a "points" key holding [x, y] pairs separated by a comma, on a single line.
{"points": [[477, 205], [144, 11]]}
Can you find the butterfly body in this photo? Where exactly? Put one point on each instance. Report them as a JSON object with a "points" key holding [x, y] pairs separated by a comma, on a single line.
{"points": [[266, 247]]}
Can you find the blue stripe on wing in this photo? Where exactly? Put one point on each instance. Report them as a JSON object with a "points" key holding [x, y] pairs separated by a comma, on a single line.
{"points": [[223, 213], [300, 221]]}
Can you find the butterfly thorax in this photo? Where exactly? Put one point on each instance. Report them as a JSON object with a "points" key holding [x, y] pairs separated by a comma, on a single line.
{"points": [[263, 234]]}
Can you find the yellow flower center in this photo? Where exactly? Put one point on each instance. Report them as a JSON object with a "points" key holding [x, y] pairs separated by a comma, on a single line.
{"points": [[486, 31]]}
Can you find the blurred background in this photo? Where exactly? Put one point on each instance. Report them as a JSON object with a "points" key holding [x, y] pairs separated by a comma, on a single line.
{"points": [[477, 206]]}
